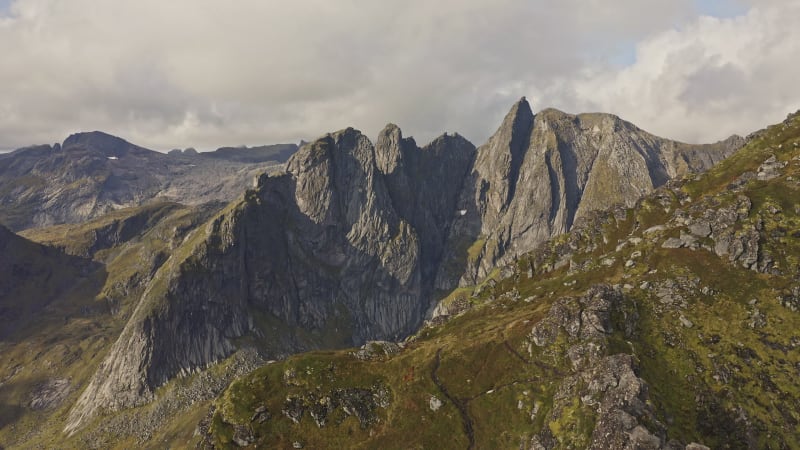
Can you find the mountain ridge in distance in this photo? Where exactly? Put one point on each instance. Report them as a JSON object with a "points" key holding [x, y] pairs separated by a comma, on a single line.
{"points": [[93, 173]]}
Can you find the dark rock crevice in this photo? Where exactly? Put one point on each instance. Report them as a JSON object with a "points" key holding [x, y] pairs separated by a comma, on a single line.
{"points": [[518, 145], [555, 191]]}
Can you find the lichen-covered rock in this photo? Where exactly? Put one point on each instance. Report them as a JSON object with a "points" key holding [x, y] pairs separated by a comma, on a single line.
{"points": [[735, 237], [359, 402], [770, 169], [261, 415], [623, 407], [608, 390], [700, 229], [377, 349], [672, 243], [585, 319], [434, 403], [696, 446]]}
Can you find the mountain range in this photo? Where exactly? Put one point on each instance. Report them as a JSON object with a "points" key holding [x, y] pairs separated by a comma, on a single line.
{"points": [[434, 259], [94, 173]]}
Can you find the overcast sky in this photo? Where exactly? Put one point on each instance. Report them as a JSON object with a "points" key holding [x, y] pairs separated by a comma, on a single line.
{"points": [[202, 73]]}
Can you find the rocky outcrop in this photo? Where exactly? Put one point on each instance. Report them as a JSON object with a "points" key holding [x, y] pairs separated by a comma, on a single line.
{"points": [[731, 230], [359, 402], [606, 386], [49, 394]]}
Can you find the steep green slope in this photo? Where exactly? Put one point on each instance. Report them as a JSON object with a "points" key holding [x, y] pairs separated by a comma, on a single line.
{"points": [[60, 313], [672, 322], [31, 277], [47, 336], [110, 230]]}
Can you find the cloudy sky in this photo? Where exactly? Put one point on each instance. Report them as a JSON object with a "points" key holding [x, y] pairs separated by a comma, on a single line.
{"points": [[205, 73]]}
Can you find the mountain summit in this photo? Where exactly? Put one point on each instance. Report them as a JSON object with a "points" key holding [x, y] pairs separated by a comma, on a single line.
{"points": [[539, 174]]}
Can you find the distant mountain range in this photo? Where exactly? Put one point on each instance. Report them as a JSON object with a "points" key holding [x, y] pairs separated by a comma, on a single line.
{"points": [[91, 174], [264, 153]]}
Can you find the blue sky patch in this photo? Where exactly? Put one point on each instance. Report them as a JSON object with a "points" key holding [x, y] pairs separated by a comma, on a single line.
{"points": [[5, 7], [721, 8]]}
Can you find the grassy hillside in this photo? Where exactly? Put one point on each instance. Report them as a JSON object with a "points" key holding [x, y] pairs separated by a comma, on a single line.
{"points": [[60, 312]]}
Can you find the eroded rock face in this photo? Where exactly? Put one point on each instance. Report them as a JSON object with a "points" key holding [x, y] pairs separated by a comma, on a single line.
{"points": [[323, 245], [539, 174]]}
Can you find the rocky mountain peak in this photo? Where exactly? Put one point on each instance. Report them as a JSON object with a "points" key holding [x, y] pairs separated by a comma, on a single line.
{"points": [[516, 126], [452, 140], [335, 177], [391, 129], [499, 160], [538, 174], [521, 106], [394, 153], [389, 148], [104, 143]]}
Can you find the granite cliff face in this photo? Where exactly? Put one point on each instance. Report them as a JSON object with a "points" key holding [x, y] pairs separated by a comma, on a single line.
{"points": [[538, 174], [354, 240], [330, 247]]}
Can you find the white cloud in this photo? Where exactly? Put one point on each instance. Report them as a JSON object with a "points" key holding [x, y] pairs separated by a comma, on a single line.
{"points": [[205, 73], [710, 79]]}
